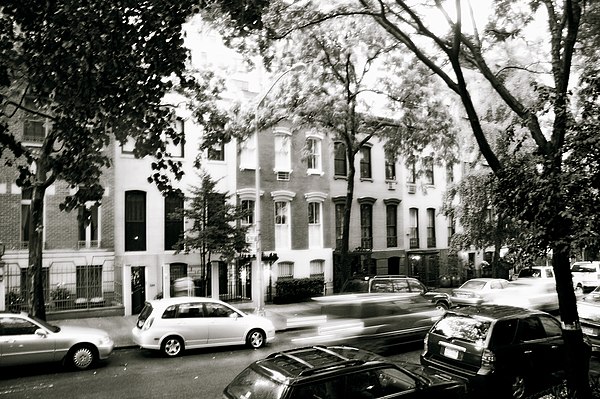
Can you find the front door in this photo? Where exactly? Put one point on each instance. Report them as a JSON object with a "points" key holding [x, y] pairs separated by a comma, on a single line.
{"points": [[138, 289]]}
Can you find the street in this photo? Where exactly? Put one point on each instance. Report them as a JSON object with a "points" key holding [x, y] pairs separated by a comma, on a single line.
{"points": [[135, 373]]}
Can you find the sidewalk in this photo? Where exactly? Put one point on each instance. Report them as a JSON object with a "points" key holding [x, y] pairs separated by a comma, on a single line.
{"points": [[119, 327]]}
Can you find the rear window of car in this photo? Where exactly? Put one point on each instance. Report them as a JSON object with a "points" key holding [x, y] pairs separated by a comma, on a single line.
{"points": [[530, 272], [473, 285], [250, 384], [465, 328], [144, 314]]}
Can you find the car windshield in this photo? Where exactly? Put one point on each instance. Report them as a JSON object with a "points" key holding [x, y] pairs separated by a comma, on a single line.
{"points": [[461, 327], [473, 285], [45, 324], [530, 272], [250, 384]]}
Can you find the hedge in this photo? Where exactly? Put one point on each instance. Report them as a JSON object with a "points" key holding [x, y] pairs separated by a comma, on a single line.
{"points": [[298, 289]]}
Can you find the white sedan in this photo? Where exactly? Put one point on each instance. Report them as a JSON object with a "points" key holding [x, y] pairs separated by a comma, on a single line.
{"points": [[174, 324], [477, 291]]}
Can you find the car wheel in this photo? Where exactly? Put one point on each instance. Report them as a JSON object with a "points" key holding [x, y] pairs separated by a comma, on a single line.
{"points": [[517, 387], [172, 346], [441, 306], [82, 357], [256, 339], [579, 290]]}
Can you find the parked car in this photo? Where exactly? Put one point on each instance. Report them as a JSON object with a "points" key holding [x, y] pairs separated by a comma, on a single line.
{"points": [[477, 291], [504, 349], [588, 308], [586, 276], [25, 339], [339, 372], [395, 284], [375, 322], [543, 272], [175, 324], [529, 293]]}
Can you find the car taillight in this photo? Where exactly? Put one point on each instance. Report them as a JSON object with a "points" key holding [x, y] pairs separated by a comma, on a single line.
{"points": [[488, 359], [148, 323]]}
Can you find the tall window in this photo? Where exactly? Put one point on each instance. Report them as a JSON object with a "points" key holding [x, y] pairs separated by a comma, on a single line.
{"points": [[88, 222], [135, 221], [451, 229], [411, 176], [428, 166], [431, 228], [339, 224], [248, 209], [449, 173], [25, 214], [366, 225], [283, 153], [282, 225], [173, 220], [390, 168], [313, 148], [392, 225], [89, 281], [339, 159], [413, 232], [34, 126], [176, 150], [216, 152], [365, 162], [315, 228]]}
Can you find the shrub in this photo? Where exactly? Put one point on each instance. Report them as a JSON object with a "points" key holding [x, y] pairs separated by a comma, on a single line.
{"points": [[298, 289]]}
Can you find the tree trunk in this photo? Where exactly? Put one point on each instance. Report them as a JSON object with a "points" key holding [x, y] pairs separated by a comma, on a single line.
{"points": [[36, 243], [578, 352], [345, 259]]}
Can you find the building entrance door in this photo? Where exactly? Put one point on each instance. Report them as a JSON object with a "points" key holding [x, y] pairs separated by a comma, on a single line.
{"points": [[138, 289]]}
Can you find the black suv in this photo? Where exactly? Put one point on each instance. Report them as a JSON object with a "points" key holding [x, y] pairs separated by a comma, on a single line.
{"points": [[502, 349], [338, 372]]}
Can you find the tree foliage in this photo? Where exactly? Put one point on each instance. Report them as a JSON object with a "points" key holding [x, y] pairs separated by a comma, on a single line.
{"points": [[215, 223], [95, 72]]}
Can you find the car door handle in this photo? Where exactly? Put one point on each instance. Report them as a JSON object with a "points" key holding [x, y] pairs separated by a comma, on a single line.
{"points": [[528, 352]]}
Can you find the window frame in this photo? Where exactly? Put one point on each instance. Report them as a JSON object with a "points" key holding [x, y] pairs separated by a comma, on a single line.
{"points": [[340, 160], [413, 229], [173, 224], [366, 172], [138, 242]]}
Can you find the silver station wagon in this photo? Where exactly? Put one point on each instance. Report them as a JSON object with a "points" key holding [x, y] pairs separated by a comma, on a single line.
{"points": [[175, 324]]}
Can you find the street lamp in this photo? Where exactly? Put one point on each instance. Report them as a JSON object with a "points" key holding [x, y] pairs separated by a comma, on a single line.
{"points": [[260, 302]]}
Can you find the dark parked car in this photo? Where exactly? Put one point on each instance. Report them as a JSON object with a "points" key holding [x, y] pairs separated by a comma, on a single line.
{"points": [[501, 349], [375, 322], [339, 372]]}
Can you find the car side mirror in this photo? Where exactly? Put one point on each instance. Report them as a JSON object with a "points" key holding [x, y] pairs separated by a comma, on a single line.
{"points": [[41, 333], [233, 315]]}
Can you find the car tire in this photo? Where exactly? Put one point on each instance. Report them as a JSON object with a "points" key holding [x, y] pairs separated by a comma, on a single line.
{"points": [[256, 339], [518, 387], [82, 357], [579, 290], [441, 305], [172, 346]]}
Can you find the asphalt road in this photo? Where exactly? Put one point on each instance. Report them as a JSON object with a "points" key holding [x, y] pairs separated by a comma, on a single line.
{"points": [[141, 374]]}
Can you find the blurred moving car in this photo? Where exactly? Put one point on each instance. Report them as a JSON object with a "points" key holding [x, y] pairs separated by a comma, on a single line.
{"points": [[339, 372], [586, 276], [529, 293], [505, 349], [394, 284], [175, 324], [477, 291], [376, 322], [588, 308], [25, 339], [543, 272]]}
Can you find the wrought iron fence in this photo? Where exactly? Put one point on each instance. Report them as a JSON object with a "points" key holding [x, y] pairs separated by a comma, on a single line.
{"points": [[67, 286]]}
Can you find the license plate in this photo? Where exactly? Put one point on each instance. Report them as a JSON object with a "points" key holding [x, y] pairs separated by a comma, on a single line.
{"points": [[589, 331], [451, 353]]}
